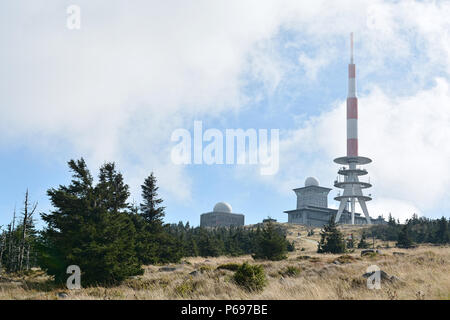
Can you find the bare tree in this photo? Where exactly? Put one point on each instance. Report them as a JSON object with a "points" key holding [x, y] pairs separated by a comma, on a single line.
{"points": [[27, 214], [11, 247], [2, 247]]}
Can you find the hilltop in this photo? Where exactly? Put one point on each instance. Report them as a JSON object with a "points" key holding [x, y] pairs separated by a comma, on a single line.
{"points": [[420, 273]]}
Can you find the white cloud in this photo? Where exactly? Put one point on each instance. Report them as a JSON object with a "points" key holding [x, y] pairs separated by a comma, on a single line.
{"points": [[135, 71], [401, 210], [406, 137], [312, 65]]}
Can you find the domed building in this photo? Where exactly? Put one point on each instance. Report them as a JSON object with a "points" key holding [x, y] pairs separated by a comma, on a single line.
{"points": [[312, 207], [221, 216]]}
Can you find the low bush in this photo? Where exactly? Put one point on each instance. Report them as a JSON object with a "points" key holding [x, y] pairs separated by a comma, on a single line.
{"points": [[187, 288], [345, 259], [229, 266], [250, 277], [205, 268], [290, 271]]}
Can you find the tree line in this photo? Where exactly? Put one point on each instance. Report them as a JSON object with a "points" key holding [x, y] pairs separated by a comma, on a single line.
{"points": [[413, 231], [263, 241], [93, 225]]}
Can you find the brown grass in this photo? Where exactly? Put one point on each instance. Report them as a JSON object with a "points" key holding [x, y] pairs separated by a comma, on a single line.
{"points": [[423, 273]]}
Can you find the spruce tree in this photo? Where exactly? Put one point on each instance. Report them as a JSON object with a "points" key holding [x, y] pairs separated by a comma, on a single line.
{"points": [[90, 227], [209, 244], [112, 190], [270, 243], [363, 244], [442, 233], [404, 240], [332, 240], [155, 244], [151, 209]]}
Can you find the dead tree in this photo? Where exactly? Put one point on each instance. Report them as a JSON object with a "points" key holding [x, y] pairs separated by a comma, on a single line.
{"points": [[27, 219], [11, 248], [2, 248], [28, 256]]}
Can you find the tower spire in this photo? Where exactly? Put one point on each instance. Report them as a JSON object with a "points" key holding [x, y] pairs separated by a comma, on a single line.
{"points": [[351, 184], [351, 47]]}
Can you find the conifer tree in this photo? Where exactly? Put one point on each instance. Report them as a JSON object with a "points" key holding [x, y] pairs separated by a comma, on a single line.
{"points": [[155, 244], [270, 244], [332, 240], [363, 244], [90, 227], [404, 240], [113, 192], [442, 233], [151, 209]]}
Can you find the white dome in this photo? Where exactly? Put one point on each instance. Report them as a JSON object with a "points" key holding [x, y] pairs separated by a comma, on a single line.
{"points": [[311, 181], [222, 207]]}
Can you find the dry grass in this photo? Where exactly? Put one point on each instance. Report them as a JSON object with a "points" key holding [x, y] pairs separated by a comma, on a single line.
{"points": [[423, 272]]}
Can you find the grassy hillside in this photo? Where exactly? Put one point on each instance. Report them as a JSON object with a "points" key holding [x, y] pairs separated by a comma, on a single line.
{"points": [[422, 273]]}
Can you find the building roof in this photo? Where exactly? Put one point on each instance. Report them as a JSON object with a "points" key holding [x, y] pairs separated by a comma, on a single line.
{"points": [[311, 181], [223, 207]]}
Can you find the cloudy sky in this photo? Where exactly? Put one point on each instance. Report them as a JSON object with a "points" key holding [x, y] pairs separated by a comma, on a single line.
{"points": [[117, 88]]}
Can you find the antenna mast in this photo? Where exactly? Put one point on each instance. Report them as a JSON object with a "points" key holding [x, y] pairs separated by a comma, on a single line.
{"points": [[351, 47]]}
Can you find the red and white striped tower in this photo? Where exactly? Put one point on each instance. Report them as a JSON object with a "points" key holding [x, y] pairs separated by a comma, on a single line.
{"points": [[350, 172], [352, 108]]}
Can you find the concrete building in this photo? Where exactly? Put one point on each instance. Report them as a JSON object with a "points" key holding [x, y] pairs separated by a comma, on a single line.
{"points": [[312, 207], [221, 216]]}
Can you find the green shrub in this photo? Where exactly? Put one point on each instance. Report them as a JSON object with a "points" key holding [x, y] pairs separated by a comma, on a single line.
{"points": [[291, 246], [363, 243], [345, 259], [369, 254], [290, 271], [187, 288], [229, 266], [205, 268], [251, 278]]}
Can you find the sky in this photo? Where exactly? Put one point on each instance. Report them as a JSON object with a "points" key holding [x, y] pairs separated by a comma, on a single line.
{"points": [[118, 87]]}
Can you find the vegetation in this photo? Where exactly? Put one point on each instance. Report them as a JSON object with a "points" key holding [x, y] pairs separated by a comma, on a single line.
{"points": [[94, 227], [350, 242], [290, 271], [250, 277], [363, 244], [416, 230], [229, 266], [404, 240], [266, 242], [270, 244], [90, 227], [18, 241], [154, 244], [422, 269], [332, 240]]}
